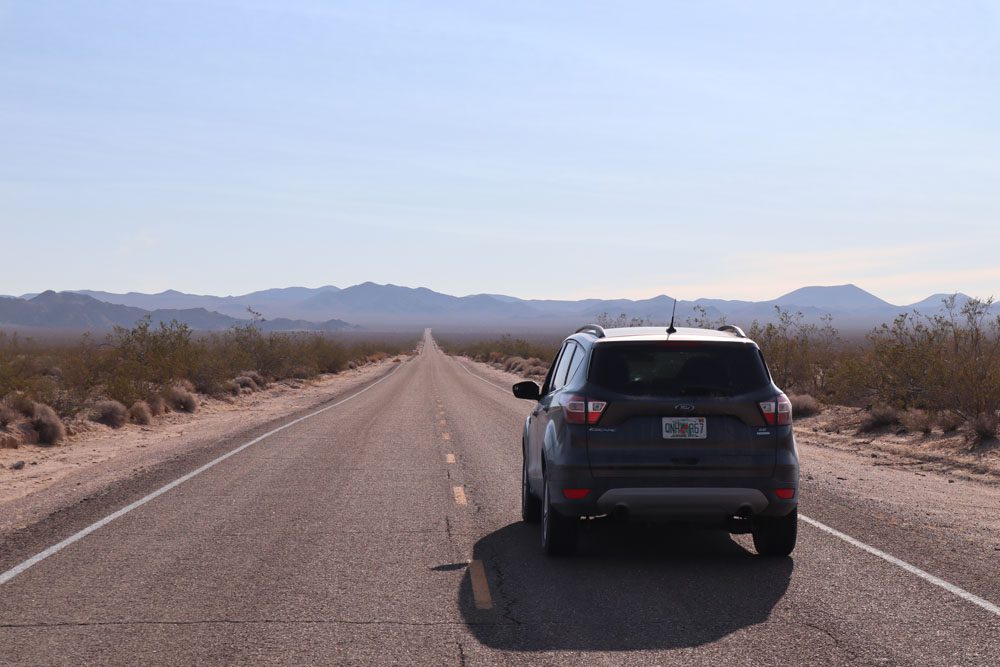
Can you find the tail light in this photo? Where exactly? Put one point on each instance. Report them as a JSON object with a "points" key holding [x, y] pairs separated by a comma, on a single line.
{"points": [[582, 410], [778, 411]]}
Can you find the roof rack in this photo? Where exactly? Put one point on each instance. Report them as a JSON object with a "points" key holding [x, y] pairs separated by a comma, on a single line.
{"points": [[733, 329], [592, 329]]}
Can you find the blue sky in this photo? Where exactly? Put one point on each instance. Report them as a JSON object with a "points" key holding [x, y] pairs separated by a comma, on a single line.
{"points": [[562, 149]]}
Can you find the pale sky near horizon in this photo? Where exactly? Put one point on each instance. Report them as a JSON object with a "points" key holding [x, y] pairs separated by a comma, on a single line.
{"points": [[538, 149]]}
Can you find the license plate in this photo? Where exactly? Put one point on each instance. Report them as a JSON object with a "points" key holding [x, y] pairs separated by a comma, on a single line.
{"points": [[684, 428]]}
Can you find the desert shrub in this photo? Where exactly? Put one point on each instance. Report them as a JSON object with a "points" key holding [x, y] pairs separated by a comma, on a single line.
{"points": [[984, 425], [180, 398], [140, 413], [140, 363], [880, 416], [515, 364], [804, 358], [948, 421], [259, 380], [185, 384], [245, 382], [157, 406], [622, 320], [500, 349], [21, 403], [47, 424], [918, 421], [804, 405], [8, 417], [109, 413]]}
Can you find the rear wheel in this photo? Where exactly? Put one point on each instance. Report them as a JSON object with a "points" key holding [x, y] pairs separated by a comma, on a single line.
{"points": [[531, 507], [558, 531], [775, 536]]}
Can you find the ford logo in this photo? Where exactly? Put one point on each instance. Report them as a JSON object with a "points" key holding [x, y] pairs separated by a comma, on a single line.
{"points": [[685, 407]]}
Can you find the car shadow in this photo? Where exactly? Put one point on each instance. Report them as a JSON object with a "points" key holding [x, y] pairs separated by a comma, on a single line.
{"points": [[630, 587]]}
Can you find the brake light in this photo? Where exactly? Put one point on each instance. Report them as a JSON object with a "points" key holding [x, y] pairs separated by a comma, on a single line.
{"points": [[785, 494], [582, 410], [575, 494], [777, 412]]}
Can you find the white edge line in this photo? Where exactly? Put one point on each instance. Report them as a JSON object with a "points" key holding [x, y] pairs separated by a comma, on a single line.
{"points": [[56, 548], [492, 384], [912, 569]]}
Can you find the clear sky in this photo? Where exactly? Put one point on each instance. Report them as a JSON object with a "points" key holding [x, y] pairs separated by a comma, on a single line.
{"points": [[540, 149]]}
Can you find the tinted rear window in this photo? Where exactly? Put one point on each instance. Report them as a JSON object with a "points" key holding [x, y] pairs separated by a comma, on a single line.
{"points": [[677, 369]]}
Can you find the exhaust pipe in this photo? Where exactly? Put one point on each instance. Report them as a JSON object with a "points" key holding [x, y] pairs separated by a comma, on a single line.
{"points": [[741, 522], [620, 514]]}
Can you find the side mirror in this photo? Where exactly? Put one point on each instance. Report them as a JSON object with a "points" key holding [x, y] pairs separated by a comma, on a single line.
{"points": [[528, 390]]}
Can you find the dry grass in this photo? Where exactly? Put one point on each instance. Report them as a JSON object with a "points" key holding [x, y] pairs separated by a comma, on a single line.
{"points": [[21, 403], [140, 413], [157, 406], [8, 417], [984, 426], [110, 413], [47, 424], [160, 365], [181, 399], [918, 421], [879, 417], [246, 382], [949, 422], [804, 405], [499, 350]]}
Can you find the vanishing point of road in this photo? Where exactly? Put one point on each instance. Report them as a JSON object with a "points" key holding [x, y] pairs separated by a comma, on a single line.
{"points": [[385, 529]]}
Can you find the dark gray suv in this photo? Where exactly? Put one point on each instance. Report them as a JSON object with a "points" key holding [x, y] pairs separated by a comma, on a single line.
{"points": [[680, 425]]}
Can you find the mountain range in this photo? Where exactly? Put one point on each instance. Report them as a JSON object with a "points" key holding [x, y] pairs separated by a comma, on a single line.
{"points": [[81, 312], [374, 306]]}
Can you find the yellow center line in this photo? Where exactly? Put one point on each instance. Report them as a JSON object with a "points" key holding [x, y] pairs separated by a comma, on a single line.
{"points": [[443, 422], [480, 585], [446, 436], [460, 495], [449, 458]]}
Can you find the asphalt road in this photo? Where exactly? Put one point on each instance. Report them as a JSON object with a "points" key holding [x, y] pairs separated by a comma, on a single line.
{"points": [[386, 530]]}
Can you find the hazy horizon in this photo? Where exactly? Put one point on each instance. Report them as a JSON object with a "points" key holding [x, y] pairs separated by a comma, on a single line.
{"points": [[555, 150], [341, 287]]}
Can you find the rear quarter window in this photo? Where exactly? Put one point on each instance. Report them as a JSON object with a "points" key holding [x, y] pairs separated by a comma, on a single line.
{"points": [[666, 368]]}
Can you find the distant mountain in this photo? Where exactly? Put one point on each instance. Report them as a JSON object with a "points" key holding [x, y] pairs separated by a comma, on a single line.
{"points": [[80, 312], [832, 298], [270, 302], [935, 302], [379, 306]]}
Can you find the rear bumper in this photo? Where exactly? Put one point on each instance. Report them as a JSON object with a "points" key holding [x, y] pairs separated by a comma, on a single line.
{"points": [[702, 500], [708, 503]]}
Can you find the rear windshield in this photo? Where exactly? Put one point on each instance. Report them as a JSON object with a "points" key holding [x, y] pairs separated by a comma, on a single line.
{"points": [[666, 368]]}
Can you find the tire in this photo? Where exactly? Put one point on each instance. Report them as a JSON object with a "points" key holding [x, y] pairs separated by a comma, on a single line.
{"points": [[775, 536], [558, 531], [531, 507]]}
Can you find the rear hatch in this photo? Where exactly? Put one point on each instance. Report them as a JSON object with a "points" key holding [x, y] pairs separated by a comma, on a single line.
{"points": [[680, 410]]}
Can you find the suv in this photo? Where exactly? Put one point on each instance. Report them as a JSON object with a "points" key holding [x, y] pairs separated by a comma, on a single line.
{"points": [[668, 424]]}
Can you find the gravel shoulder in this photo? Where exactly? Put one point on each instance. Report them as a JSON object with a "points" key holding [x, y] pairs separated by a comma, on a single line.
{"points": [[96, 456]]}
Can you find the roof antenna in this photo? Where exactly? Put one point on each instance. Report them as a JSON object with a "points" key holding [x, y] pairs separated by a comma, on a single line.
{"points": [[672, 329]]}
